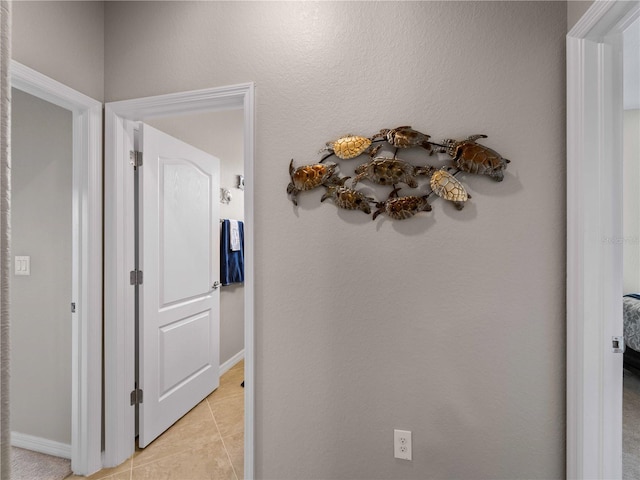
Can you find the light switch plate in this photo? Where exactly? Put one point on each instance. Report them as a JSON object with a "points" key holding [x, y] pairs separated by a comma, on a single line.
{"points": [[23, 265]]}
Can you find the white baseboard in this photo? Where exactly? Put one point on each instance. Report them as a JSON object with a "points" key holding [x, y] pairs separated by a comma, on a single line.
{"points": [[226, 366], [42, 445]]}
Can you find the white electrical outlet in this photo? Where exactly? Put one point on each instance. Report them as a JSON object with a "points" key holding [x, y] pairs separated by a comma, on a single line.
{"points": [[402, 444]]}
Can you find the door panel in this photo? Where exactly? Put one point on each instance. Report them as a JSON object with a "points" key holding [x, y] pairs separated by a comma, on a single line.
{"points": [[185, 239], [184, 351], [179, 307]]}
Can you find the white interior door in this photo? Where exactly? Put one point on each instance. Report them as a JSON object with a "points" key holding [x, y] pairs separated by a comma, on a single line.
{"points": [[179, 300]]}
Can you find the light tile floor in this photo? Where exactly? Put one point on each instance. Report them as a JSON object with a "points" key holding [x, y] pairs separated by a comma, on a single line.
{"points": [[206, 444]]}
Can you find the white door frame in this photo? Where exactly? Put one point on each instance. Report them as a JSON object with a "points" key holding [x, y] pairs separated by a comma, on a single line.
{"points": [[594, 240], [119, 254], [86, 440]]}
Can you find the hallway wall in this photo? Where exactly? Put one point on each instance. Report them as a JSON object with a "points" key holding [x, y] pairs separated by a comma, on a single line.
{"points": [[451, 324], [631, 202], [63, 40], [575, 10], [41, 150]]}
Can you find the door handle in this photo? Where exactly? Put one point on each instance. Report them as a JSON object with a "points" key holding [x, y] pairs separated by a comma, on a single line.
{"points": [[215, 285]]}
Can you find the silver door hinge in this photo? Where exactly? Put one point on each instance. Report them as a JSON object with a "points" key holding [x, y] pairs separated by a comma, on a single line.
{"points": [[135, 277], [617, 343], [136, 396], [73, 307], [135, 158]]}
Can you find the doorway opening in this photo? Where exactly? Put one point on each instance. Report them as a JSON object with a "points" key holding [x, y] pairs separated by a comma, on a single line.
{"points": [[631, 251], [86, 263], [41, 233], [594, 240], [121, 118]]}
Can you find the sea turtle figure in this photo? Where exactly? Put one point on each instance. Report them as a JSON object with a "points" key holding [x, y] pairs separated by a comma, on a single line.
{"points": [[401, 208], [472, 157], [446, 186], [349, 146], [388, 171], [348, 198], [309, 177], [404, 137]]}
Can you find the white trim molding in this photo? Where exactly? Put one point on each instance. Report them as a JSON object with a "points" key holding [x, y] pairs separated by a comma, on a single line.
{"points": [[594, 256], [229, 364], [86, 429], [40, 445], [119, 253]]}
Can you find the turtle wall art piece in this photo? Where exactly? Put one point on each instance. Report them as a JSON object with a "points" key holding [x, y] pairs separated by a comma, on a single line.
{"points": [[384, 168]]}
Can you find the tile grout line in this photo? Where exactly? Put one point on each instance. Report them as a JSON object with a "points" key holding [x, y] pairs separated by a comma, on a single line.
{"points": [[172, 453], [222, 439], [146, 463]]}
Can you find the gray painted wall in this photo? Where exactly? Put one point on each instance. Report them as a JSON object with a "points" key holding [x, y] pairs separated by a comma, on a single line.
{"points": [[631, 210], [220, 134], [41, 150], [452, 324], [63, 40], [575, 10]]}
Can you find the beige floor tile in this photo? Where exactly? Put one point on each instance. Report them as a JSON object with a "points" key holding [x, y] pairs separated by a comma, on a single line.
{"points": [[226, 392], [123, 468], [194, 430], [238, 366], [229, 415], [230, 383], [234, 375], [204, 463], [192, 448], [235, 447], [120, 476]]}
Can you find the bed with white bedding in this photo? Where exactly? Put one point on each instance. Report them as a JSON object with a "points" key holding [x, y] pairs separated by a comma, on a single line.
{"points": [[631, 315]]}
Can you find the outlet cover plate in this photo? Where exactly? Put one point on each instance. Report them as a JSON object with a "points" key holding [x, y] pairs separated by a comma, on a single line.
{"points": [[402, 444]]}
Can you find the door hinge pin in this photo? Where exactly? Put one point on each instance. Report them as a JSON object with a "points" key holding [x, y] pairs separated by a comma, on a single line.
{"points": [[136, 396], [135, 158], [135, 277]]}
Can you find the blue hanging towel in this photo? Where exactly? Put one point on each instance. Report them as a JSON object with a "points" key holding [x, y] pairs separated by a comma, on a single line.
{"points": [[231, 257]]}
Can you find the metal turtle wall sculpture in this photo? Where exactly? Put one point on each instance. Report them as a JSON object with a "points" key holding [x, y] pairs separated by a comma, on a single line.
{"points": [[465, 157], [348, 198], [401, 208], [472, 157], [308, 177], [446, 186], [349, 146], [388, 171], [404, 137]]}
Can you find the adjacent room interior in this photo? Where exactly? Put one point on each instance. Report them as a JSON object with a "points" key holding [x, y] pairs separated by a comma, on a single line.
{"points": [[631, 252]]}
